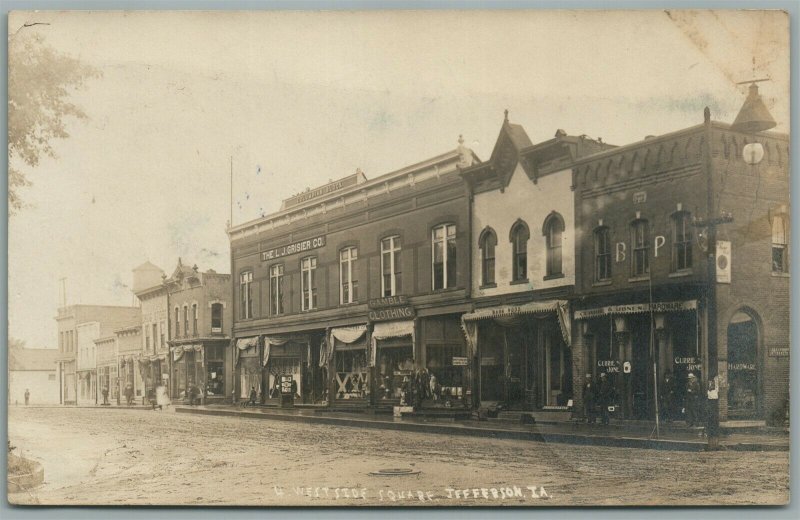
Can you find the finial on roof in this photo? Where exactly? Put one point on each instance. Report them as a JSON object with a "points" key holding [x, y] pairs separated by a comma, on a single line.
{"points": [[506, 115], [194, 268], [707, 115], [560, 133], [460, 140], [179, 261]]}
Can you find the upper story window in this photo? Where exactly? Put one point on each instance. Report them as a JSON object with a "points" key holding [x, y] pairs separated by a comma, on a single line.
{"points": [[554, 233], [163, 329], [487, 242], [155, 336], [185, 320], [391, 271], [780, 250], [519, 250], [444, 256], [308, 283], [216, 317], [602, 254], [177, 322], [681, 241], [246, 295], [194, 319], [147, 338], [276, 289], [348, 290], [640, 240]]}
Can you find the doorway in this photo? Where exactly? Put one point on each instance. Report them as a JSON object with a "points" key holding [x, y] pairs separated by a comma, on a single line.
{"points": [[743, 381]]}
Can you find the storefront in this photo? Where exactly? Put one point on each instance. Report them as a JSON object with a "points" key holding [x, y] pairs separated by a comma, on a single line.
{"points": [[248, 367], [445, 355], [107, 379], [87, 387], [392, 355], [345, 352], [523, 354], [626, 341], [285, 356]]}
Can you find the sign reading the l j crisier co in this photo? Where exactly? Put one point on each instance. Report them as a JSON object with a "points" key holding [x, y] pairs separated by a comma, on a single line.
{"points": [[294, 248]]}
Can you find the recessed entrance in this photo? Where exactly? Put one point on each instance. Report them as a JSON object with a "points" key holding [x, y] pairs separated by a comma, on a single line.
{"points": [[743, 380]]}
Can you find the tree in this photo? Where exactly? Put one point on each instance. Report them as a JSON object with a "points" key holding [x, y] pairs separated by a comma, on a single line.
{"points": [[39, 83]]}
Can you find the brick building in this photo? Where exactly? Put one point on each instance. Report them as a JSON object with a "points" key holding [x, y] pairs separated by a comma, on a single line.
{"points": [[645, 296], [152, 293], [353, 286]]}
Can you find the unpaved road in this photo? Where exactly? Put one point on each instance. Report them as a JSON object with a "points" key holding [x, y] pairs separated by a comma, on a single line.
{"points": [[118, 456]]}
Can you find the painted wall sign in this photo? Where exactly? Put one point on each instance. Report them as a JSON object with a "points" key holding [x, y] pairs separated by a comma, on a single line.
{"points": [[621, 248], [459, 361], [778, 351], [687, 363], [388, 301], [609, 366], [741, 366], [639, 197], [392, 313], [293, 249]]}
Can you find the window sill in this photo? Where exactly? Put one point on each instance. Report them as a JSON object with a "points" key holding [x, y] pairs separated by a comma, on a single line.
{"points": [[602, 283], [519, 282], [553, 276], [488, 286], [777, 274], [639, 278], [681, 273], [347, 304], [446, 289]]}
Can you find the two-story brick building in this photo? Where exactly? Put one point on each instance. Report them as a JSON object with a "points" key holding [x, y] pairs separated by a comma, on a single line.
{"points": [[646, 300], [153, 296], [353, 287], [200, 322]]}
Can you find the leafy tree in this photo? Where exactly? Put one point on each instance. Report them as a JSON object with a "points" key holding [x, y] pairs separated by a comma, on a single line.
{"points": [[39, 83]]}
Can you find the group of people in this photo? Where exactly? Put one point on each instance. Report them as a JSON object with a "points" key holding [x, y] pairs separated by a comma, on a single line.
{"points": [[417, 387], [598, 397]]}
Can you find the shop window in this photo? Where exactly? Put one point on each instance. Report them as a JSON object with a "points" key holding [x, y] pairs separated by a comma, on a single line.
{"points": [[215, 384], [216, 317], [439, 362], [780, 260], [602, 254], [391, 279], [519, 246], [276, 289], [553, 232], [681, 241], [246, 295], [395, 361], [640, 261], [351, 374], [348, 289], [308, 283], [487, 243], [444, 256]]}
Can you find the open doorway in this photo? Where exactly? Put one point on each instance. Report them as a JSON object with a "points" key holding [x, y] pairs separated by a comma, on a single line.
{"points": [[743, 378]]}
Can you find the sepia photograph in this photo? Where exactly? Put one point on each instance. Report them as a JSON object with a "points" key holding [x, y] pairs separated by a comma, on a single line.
{"points": [[399, 258]]}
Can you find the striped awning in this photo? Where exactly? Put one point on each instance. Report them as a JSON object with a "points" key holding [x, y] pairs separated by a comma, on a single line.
{"points": [[511, 310]]}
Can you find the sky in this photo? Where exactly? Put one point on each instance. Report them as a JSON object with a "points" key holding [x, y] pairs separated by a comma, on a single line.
{"points": [[294, 99]]}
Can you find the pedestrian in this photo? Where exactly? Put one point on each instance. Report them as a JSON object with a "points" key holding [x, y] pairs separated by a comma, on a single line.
{"points": [[253, 396], [589, 400], [605, 399], [105, 396], [712, 414], [435, 389], [129, 394], [667, 397], [27, 396], [692, 401]]}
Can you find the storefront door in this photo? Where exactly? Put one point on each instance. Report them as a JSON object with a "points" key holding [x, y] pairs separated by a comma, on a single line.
{"points": [[743, 386], [394, 363]]}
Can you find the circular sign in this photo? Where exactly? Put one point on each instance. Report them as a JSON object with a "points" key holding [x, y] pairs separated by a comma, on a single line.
{"points": [[753, 153], [722, 262]]}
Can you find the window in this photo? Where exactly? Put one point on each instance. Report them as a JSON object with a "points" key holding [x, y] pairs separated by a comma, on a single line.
{"points": [[391, 278], [444, 256], [163, 329], [553, 233], [147, 338], [276, 288], [194, 319], [308, 283], [216, 317], [348, 291], [602, 254], [780, 260], [519, 251], [487, 241], [681, 241], [640, 261], [177, 322], [246, 295], [155, 336], [185, 320]]}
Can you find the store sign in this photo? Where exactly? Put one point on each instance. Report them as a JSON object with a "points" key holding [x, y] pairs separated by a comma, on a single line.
{"points": [[741, 366], [639, 197], [293, 249], [459, 361], [286, 385], [392, 313], [636, 308], [723, 261], [388, 301], [609, 366], [778, 351], [688, 363]]}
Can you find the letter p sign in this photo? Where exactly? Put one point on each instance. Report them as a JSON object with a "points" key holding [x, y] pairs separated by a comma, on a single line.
{"points": [[660, 240]]}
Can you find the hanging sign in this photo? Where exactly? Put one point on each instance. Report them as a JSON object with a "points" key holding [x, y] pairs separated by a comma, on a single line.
{"points": [[778, 351], [459, 361], [723, 261]]}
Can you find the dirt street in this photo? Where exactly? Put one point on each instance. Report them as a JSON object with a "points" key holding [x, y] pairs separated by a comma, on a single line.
{"points": [[117, 456]]}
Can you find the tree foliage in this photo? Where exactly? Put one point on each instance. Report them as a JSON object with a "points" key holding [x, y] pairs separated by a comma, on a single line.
{"points": [[39, 83]]}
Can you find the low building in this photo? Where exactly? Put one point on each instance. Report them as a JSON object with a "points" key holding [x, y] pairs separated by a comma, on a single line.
{"points": [[32, 371]]}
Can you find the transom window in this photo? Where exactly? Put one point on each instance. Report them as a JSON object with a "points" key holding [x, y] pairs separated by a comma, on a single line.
{"points": [[391, 278], [276, 288], [780, 251], [488, 243], [444, 256], [519, 247], [308, 283], [602, 254], [246, 295], [348, 292], [681, 241], [640, 261]]}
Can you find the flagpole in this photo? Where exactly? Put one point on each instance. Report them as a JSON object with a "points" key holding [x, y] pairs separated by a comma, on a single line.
{"points": [[231, 221]]}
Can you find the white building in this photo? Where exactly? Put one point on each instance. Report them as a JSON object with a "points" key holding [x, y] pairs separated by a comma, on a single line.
{"points": [[32, 370]]}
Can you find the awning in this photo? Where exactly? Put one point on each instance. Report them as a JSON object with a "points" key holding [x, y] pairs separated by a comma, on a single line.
{"points": [[246, 343], [512, 310], [389, 329], [270, 341], [177, 352], [636, 308]]}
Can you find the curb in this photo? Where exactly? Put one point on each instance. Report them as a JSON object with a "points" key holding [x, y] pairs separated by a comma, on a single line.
{"points": [[534, 436]]}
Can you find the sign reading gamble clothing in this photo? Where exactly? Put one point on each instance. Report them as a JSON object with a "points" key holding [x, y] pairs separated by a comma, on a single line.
{"points": [[392, 313], [292, 249]]}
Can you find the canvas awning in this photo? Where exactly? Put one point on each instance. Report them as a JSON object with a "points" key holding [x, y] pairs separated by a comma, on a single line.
{"points": [[386, 330], [505, 314]]}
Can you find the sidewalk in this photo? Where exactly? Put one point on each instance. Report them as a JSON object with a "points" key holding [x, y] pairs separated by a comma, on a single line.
{"points": [[614, 435]]}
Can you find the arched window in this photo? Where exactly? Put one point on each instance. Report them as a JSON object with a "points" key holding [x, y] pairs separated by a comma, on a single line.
{"points": [[519, 249], [554, 231], [602, 254], [640, 240], [487, 243], [681, 241], [780, 251]]}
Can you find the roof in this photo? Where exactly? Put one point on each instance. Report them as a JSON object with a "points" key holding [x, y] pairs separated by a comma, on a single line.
{"points": [[518, 136], [148, 266], [32, 358]]}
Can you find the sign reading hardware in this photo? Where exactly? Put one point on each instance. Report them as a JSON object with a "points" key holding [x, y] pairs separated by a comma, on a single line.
{"points": [[294, 248]]}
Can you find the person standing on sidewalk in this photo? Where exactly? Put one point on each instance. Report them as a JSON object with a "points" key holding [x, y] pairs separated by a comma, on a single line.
{"points": [[105, 396], [667, 397], [692, 401], [589, 404], [27, 396], [606, 397]]}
